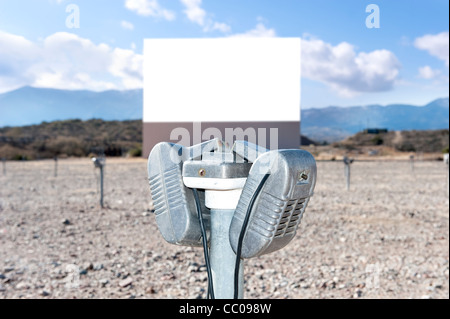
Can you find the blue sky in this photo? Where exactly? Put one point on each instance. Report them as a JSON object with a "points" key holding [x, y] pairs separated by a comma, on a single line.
{"points": [[344, 62]]}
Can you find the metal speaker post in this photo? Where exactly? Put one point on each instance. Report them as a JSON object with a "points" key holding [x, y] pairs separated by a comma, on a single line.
{"points": [[55, 159], [223, 179], [347, 163], [239, 202], [446, 160], [100, 164]]}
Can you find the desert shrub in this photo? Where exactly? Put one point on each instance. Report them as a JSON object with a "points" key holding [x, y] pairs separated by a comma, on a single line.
{"points": [[20, 157], [377, 140], [406, 147], [135, 152], [71, 146]]}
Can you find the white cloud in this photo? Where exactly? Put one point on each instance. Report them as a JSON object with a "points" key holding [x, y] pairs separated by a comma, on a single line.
{"points": [[127, 66], [127, 25], [428, 73], [15, 55], [341, 67], [149, 8], [260, 30], [436, 45], [222, 27], [66, 61], [196, 14], [347, 71]]}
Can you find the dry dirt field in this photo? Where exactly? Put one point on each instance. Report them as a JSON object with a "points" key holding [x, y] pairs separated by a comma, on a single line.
{"points": [[388, 237]]}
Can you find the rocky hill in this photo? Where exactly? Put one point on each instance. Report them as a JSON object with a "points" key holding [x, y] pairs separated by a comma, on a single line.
{"points": [[403, 141], [77, 138], [71, 138]]}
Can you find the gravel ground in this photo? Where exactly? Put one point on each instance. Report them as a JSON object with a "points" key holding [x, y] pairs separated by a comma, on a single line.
{"points": [[388, 237]]}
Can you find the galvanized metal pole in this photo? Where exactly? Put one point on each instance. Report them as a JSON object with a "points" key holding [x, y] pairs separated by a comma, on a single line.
{"points": [[446, 160], [347, 163], [101, 186], [411, 160], [100, 163], [56, 166], [222, 256], [347, 173]]}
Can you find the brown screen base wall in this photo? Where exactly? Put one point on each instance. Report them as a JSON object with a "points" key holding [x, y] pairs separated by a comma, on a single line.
{"points": [[272, 135]]}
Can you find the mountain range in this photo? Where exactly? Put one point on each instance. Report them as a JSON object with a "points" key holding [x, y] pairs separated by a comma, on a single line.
{"points": [[28, 105], [335, 123]]}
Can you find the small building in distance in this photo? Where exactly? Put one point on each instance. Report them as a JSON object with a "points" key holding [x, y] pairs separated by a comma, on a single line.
{"points": [[375, 130]]}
